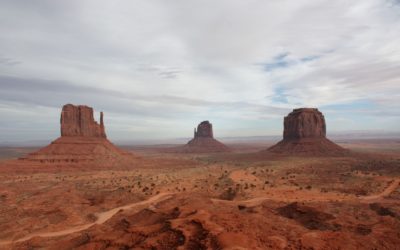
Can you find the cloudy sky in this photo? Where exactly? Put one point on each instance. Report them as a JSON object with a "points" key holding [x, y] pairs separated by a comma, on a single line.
{"points": [[157, 68]]}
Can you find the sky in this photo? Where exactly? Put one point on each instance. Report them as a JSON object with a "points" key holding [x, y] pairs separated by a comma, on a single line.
{"points": [[157, 68]]}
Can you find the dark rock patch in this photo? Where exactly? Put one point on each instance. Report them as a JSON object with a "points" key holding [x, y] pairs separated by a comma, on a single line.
{"points": [[308, 217]]}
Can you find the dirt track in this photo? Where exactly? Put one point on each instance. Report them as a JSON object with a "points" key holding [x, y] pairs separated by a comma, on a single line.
{"points": [[365, 199], [105, 216], [101, 218], [373, 198]]}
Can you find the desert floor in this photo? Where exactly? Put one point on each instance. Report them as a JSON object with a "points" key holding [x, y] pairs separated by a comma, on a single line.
{"points": [[239, 200]]}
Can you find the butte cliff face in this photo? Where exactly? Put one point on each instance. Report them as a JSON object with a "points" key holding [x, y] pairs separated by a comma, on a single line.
{"points": [[305, 133], [204, 129], [304, 123], [203, 141], [79, 121], [82, 141]]}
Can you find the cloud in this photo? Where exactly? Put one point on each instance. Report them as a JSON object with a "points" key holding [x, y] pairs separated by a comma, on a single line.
{"points": [[136, 111], [8, 61], [154, 62]]}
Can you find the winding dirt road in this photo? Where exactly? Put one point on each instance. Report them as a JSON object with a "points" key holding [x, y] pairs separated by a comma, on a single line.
{"points": [[101, 218], [365, 199], [104, 216], [373, 198]]}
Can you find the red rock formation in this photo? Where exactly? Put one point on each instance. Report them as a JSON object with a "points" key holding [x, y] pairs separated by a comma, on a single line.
{"points": [[305, 133], [304, 123], [79, 121], [203, 141], [82, 140], [204, 129]]}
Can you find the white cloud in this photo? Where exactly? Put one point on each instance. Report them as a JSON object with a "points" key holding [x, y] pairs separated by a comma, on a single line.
{"points": [[184, 60]]}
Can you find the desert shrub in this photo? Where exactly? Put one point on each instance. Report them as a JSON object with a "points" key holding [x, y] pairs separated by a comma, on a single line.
{"points": [[228, 194]]}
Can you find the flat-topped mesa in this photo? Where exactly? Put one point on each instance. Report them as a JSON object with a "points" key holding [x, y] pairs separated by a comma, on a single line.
{"points": [[204, 129], [305, 134], [304, 123], [79, 121]]}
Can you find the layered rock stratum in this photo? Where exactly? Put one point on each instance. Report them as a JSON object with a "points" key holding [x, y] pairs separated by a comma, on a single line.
{"points": [[305, 133], [82, 140]]}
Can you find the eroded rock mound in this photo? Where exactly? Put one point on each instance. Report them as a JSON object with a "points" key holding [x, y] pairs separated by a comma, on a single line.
{"points": [[203, 141], [144, 229], [305, 133], [82, 141]]}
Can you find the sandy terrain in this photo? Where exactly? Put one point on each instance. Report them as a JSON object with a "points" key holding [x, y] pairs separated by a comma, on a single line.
{"points": [[237, 200]]}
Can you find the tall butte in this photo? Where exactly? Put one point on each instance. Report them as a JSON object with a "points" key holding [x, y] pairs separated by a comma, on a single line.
{"points": [[82, 140], [203, 141], [305, 134], [79, 121]]}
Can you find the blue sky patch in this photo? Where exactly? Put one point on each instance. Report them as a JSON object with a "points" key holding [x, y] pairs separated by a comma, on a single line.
{"points": [[282, 61], [309, 58], [357, 104], [279, 61], [280, 96]]}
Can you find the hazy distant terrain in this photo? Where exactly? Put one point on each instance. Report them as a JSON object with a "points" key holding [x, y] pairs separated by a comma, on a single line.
{"points": [[356, 141]]}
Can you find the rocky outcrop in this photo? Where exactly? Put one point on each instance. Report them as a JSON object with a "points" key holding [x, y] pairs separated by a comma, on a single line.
{"points": [[203, 141], [79, 121], [82, 141], [204, 129], [305, 134], [304, 123]]}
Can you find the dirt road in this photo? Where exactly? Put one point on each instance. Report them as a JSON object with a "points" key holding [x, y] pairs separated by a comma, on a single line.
{"points": [[101, 218], [104, 216], [373, 198], [365, 199]]}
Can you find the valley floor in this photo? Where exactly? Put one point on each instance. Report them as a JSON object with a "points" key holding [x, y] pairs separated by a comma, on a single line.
{"points": [[238, 200]]}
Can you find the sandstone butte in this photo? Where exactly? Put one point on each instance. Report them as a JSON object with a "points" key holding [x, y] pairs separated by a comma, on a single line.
{"points": [[82, 140], [79, 121], [203, 141], [305, 134]]}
